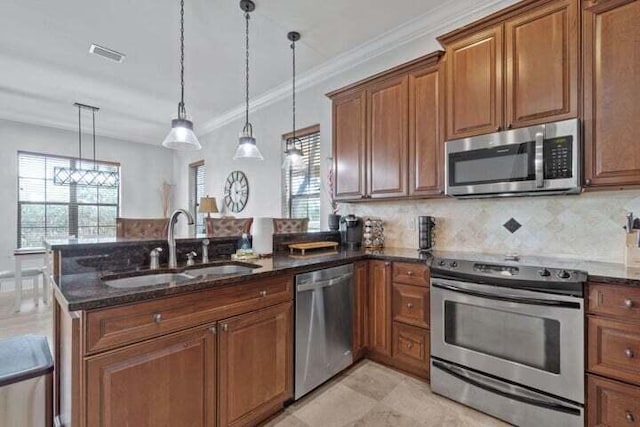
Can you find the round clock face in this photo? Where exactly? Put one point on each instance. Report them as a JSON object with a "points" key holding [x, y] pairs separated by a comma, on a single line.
{"points": [[236, 191]]}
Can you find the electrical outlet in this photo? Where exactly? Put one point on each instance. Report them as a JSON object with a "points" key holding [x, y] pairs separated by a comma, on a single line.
{"points": [[411, 224]]}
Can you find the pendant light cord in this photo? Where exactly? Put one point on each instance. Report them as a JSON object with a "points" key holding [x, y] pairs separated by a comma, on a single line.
{"points": [[95, 164], [293, 49], [181, 110], [79, 134], [246, 34]]}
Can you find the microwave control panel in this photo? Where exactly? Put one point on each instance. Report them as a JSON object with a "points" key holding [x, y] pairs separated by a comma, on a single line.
{"points": [[558, 157]]}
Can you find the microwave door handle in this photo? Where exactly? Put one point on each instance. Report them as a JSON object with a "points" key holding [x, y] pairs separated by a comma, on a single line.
{"points": [[478, 381], [539, 158]]}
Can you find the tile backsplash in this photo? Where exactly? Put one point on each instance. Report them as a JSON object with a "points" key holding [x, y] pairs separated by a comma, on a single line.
{"points": [[586, 226]]}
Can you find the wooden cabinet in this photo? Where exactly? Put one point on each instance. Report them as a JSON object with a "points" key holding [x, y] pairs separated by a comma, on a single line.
{"points": [[426, 131], [411, 346], [380, 307], [611, 403], [387, 107], [349, 133], [411, 305], [387, 133], [255, 365], [614, 349], [360, 316], [474, 84], [515, 68], [611, 92], [167, 381]]}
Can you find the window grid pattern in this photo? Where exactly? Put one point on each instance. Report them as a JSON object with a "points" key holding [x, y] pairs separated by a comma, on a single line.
{"points": [[50, 211], [198, 175], [301, 189]]}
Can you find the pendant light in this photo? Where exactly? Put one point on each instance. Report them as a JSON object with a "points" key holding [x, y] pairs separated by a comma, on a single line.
{"points": [[79, 175], [181, 136], [247, 148], [293, 150]]}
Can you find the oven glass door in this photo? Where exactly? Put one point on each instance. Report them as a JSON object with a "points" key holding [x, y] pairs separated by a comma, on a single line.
{"points": [[527, 337]]}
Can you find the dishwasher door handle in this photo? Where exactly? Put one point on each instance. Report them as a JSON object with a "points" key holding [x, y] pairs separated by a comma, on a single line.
{"points": [[303, 287]]}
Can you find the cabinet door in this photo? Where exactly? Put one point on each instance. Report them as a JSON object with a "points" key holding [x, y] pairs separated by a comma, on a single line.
{"points": [[426, 136], [255, 365], [474, 84], [349, 133], [167, 381], [612, 404], [360, 310], [387, 140], [380, 307], [611, 92], [542, 65]]}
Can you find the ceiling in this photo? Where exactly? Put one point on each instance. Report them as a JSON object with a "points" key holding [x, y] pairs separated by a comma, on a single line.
{"points": [[46, 65]]}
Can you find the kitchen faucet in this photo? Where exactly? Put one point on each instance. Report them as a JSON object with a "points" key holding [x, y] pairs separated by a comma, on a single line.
{"points": [[171, 239]]}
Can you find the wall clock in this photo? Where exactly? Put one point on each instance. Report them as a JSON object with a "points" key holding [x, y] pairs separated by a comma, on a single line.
{"points": [[236, 191]]}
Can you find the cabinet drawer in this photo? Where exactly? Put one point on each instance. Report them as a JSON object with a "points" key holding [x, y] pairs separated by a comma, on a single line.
{"points": [[411, 305], [614, 349], [411, 345], [614, 300], [610, 403], [114, 327], [411, 274]]}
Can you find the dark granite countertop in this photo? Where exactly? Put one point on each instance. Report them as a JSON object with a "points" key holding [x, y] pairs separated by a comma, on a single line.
{"points": [[87, 291], [110, 242]]}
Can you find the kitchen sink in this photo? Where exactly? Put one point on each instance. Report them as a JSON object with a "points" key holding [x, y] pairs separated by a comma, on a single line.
{"points": [[223, 270], [148, 280]]}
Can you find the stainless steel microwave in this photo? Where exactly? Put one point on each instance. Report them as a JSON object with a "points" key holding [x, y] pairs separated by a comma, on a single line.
{"points": [[537, 160]]}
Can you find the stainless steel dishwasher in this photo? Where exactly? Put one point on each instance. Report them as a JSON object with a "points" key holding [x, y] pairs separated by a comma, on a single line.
{"points": [[324, 312]]}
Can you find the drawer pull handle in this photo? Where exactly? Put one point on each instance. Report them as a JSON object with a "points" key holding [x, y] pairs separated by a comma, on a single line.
{"points": [[157, 318], [409, 273], [409, 305], [629, 353], [263, 294], [629, 417], [628, 304], [409, 345]]}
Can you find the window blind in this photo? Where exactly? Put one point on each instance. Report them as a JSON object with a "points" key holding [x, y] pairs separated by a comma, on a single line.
{"points": [[301, 190], [50, 211], [198, 178]]}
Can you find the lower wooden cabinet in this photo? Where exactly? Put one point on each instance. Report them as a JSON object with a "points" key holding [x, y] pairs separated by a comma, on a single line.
{"points": [[380, 307], [360, 329], [411, 346], [255, 365], [611, 403], [166, 381]]}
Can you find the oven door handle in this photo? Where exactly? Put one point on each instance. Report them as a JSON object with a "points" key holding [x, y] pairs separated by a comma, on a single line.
{"points": [[509, 298], [478, 381], [539, 159]]}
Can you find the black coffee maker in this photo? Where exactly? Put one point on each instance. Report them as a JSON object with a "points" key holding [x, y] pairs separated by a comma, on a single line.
{"points": [[351, 231]]}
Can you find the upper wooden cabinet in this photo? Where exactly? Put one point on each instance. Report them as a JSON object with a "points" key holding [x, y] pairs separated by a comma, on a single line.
{"points": [[611, 92], [474, 84], [387, 133], [516, 68], [349, 133], [387, 105]]}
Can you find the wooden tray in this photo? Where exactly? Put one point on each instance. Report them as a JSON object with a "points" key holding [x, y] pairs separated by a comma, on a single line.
{"points": [[311, 246]]}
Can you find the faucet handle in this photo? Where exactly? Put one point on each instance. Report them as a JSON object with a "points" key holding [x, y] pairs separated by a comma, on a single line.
{"points": [[205, 242], [156, 251], [155, 258], [190, 257]]}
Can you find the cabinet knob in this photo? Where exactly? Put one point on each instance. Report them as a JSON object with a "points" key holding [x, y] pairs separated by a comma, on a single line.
{"points": [[629, 353], [387, 264], [409, 273], [157, 318], [628, 304], [225, 327], [409, 345], [629, 417], [263, 294], [213, 330], [409, 305], [509, 126], [587, 181], [498, 128]]}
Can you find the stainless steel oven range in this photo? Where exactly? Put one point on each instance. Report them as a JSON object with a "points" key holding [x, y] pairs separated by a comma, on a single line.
{"points": [[508, 339]]}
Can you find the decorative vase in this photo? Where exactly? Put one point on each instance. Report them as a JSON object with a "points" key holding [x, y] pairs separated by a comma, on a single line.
{"points": [[334, 222]]}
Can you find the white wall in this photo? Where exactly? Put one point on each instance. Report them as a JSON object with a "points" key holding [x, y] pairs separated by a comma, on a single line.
{"points": [[143, 169]]}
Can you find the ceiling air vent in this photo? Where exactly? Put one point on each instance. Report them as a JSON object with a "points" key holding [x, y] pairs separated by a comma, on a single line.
{"points": [[109, 54]]}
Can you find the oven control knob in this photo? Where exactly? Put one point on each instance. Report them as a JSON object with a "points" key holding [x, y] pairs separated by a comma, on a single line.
{"points": [[544, 272], [453, 264], [441, 263], [564, 274]]}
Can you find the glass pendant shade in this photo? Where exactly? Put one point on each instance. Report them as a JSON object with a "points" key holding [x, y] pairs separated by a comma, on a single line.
{"points": [[247, 148], [181, 136], [293, 157]]}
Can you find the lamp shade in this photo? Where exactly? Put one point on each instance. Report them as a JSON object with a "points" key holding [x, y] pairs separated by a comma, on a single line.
{"points": [[208, 205], [181, 136], [247, 148]]}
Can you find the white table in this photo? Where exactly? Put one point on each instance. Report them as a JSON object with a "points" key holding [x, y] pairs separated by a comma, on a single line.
{"points": [[27, 254]]}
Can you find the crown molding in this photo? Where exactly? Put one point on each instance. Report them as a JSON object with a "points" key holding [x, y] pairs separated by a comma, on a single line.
{"points": [[433, 23]]}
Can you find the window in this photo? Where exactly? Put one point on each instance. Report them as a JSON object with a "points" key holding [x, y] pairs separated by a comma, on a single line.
{"points": [[50, 211], [197, 177], [301, 189]]}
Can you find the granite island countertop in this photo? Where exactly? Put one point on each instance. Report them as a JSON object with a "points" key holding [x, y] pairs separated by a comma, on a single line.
{"points": [[86, 291]]}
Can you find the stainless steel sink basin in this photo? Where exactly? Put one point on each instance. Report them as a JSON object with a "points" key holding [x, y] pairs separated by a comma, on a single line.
{"points": [[222, 270], [148, 280]]}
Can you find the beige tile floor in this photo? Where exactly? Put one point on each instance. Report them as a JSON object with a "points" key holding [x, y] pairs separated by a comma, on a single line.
{"points": [[32, 319], [372, 395]]}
